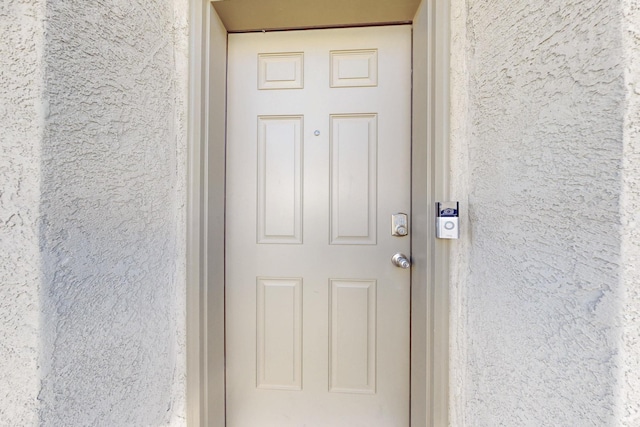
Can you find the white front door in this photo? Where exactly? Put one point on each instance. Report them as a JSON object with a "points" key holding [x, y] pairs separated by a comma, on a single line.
{"points": [[318, 160]]}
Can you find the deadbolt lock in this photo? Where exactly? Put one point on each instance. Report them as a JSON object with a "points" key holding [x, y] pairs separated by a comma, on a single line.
{"points": [[399, 224]]}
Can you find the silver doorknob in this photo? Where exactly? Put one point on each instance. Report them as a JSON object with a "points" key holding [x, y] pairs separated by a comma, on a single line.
{"points": [[400, 260]]}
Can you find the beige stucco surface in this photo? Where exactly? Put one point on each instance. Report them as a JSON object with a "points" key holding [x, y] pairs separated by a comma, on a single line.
{"points": [[459, 182], [92, 214], [629, 395], [112, 214], [21, 127], [545, 301]]}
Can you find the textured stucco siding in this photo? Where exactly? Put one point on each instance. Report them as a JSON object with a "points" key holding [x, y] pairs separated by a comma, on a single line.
{"points": [[459, 182], [543, 293], [21, 117], [630, 210], [112, 213]]}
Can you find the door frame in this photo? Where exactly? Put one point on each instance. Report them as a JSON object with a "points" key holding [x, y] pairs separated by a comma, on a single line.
{"points": [[205, 390]]}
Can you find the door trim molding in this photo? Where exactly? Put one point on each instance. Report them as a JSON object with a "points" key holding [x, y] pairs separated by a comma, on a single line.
{"points": [[205, 393], [430, 183], [205, 218]]}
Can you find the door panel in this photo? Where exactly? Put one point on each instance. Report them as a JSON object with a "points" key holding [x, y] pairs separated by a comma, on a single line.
{"points": [[354, 175], [280, 179], [318, 155]]}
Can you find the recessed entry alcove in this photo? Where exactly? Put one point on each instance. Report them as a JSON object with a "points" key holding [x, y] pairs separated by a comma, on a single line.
{"points": [[211, 23]]}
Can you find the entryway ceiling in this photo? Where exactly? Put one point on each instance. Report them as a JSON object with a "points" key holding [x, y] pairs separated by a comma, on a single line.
{"points": [[257, 15]]}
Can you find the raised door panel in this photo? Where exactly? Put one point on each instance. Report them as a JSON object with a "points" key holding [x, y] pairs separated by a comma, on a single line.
{"points": [[280, 179], [279, 333], [352, 346], [353, 179]]}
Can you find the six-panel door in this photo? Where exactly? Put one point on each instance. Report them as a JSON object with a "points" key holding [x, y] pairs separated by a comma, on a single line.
{"points": [[318, 159]]}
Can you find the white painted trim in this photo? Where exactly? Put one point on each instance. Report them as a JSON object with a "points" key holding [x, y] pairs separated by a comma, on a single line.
{"points": [[441, 177], [194, 390], [430, 183], [205, 221]]}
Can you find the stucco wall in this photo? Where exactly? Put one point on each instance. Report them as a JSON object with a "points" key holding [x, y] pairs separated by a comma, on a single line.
{"points": [[92, 212], [21, 126], [630, 211], [459, 183], [543, 300], [112, 207]]}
